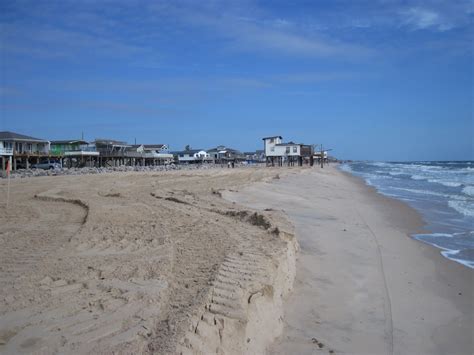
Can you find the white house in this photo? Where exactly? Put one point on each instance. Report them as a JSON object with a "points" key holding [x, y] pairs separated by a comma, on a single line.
{"points": [[6, 149], [192, 156], [6, 152], [153, 152], [278, 152]]}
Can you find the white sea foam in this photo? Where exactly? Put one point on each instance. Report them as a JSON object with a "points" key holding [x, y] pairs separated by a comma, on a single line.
{"points": [[380, 163], [432, 193], [464, 207], [447, 253], [346, 168], [444, 235], [445, 183], [419, 177], [468, 190], [451, 254], [396, 173]]}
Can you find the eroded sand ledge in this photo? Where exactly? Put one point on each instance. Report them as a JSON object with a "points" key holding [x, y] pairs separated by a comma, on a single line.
{"points": [[142, 263], [244, 311]]}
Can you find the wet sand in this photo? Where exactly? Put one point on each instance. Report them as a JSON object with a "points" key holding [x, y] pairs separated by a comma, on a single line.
{"points": [[363, 285]]}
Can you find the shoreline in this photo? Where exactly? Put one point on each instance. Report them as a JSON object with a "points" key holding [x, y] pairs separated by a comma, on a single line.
{"points": [[446, 228], [356, 295], [417, 222]]}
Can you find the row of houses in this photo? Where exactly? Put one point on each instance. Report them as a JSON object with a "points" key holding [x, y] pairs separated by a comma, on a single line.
{"points": [[25, 151]]}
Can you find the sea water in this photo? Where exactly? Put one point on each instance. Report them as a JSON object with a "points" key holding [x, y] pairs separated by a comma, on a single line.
{"points": [[442, 191]]}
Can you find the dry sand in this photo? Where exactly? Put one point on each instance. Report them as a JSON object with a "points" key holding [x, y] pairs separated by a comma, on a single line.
{"points": [[141, 263], [363, 286]]}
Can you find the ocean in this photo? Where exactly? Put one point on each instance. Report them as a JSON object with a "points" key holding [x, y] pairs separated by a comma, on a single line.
{"points": [[443, 192]]}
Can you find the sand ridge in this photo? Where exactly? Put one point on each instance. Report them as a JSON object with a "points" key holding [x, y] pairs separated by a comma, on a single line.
{"points": [[136, 262]]}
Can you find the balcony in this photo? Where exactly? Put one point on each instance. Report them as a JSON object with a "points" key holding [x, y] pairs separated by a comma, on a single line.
{"points": [[6, 151]]}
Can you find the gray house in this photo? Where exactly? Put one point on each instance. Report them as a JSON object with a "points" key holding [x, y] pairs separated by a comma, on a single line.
{"points": [[23, 149], [223, 154]]}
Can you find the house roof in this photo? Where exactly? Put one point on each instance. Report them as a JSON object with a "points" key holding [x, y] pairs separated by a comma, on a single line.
{"points": [[153, 146], [217, 149], [272, 137], [12, 136], [71, 141], [223, 149], [148, 146], [191, 151], [110, 142]]}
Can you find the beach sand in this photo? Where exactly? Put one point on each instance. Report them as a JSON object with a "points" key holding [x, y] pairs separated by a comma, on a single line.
{"points": [[363, 285], [180, 262], [141, 263]]}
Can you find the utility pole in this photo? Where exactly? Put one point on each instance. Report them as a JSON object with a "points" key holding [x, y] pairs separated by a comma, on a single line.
{"points": [[322, 157]]}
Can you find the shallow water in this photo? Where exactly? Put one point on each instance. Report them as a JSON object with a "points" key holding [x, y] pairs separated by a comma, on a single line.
{"points": [[442, 191]]}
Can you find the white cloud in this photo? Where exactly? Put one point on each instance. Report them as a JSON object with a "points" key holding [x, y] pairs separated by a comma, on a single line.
{"points": [[421, 18], [267, 35]]}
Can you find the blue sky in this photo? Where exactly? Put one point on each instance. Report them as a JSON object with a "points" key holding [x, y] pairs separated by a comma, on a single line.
{"points": [[382, 80]]}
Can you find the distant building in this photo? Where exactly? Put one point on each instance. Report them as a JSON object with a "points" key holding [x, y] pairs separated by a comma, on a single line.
{"points": [[110, 147], [277, 152], [150, 154], [192, 156], [24, 150], [223, 154], [255, 157], [59, 147], [75, 153]]}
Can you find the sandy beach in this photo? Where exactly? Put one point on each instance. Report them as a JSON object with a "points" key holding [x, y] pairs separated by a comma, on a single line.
{"points": [[363, 285], [204, 261], [140, 263]]}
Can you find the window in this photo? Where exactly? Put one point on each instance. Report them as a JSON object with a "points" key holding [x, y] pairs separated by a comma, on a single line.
{"points": [[272, 149], [295, 149], [272, 140], [287, 150]]}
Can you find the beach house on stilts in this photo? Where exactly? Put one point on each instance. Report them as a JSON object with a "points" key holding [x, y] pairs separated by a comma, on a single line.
{"points": [[25, 150], [279, 153], [75, 153]]}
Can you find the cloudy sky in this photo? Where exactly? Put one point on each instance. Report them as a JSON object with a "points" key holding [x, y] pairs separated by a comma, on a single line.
{"points": [[382, 80]]}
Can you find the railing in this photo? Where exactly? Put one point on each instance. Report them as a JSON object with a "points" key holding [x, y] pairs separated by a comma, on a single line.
{"points": [[81, 152], [131, 154], [6, 151], [108, 153], [33, 152]]}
